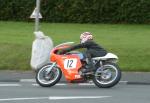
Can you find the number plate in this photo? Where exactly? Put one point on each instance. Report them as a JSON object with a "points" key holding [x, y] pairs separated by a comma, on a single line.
{"points": [[70, 63]]}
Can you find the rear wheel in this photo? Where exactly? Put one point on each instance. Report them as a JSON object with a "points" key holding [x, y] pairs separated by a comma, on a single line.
{"points": [[107, 76], [48, 79]]}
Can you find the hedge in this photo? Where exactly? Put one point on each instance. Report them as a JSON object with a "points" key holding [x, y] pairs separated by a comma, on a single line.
{"points": [[79, 11]]}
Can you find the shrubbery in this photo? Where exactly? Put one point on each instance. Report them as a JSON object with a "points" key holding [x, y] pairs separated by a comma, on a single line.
{"points": [[79, 11]]}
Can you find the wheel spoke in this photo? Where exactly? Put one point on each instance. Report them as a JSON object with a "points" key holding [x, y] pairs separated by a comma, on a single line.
{"points": [[107, 75], [47, 78]]}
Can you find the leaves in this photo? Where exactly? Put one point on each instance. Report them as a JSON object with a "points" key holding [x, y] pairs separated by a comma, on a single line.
{"points": [[79, 11]]}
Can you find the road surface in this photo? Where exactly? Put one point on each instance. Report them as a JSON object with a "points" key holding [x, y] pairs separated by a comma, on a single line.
{"points": [[21, 92]]}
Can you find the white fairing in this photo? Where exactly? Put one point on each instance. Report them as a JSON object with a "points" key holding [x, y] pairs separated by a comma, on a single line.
{"points": [[106, 57]]}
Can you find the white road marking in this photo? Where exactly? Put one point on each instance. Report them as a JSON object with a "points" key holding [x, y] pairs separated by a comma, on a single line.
{"points": [[27, 80], [123, 81], [65, 84], [84, 84], [9, 85], [78, 97], [17, 99], [56, 98], [80, 84], [35, 84], [59, 84], [33, 80]]}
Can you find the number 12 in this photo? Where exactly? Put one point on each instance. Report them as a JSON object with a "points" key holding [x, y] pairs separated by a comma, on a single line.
{"points": [[69, 63]]}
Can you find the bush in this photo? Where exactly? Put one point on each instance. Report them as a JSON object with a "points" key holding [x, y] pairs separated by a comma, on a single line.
{"points": [[79, 11]]}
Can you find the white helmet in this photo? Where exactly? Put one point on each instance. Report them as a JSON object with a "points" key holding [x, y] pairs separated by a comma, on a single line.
{"points": [[85, 36]]}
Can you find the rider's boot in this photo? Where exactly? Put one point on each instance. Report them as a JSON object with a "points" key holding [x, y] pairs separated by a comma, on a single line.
{"points": [[89, 67]]}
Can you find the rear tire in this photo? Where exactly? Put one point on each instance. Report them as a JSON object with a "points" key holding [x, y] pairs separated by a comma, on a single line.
{"points": [[98, 80], [48, 79]]}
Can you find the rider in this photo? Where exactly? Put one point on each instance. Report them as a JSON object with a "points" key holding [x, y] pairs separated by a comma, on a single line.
{"points": [[92, 49]]}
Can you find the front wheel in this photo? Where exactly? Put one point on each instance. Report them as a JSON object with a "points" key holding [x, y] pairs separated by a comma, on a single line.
{"points": [[107, 76], [48, 79]]}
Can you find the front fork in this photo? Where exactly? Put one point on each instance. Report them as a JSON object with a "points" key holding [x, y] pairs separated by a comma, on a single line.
{"points": [[50, 68]]}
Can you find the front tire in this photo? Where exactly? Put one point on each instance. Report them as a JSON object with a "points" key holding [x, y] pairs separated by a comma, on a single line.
{"points": [[107, 76], [45, 79]]}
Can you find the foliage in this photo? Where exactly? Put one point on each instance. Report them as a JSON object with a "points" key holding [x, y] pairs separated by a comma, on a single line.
{"points": [[79, 11]]}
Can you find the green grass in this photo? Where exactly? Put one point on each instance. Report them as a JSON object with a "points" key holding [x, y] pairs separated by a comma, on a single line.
{"points": [[129, 42]]}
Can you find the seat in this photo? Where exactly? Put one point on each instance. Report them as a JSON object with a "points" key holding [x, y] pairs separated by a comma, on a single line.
{"points": [[107, 56]]}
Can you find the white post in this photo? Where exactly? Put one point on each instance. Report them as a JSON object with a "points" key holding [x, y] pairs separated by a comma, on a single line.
{"points": [[37, 15]]}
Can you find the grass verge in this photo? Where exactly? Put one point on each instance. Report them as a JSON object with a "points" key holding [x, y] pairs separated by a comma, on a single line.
{"points": [[129, 42]]}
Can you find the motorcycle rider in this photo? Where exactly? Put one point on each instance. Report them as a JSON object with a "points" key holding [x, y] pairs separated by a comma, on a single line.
{"points": [[92, 50]]}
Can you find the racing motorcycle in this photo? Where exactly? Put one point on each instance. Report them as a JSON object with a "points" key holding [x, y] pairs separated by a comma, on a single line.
{"points": [[107, 73]]}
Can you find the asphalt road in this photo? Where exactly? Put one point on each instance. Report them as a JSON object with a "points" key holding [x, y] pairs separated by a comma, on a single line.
{"points": [[16, 76], [73, 93]]}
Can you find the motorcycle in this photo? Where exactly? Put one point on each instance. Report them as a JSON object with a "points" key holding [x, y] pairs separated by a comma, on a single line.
{"points": [[106, 75]]}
